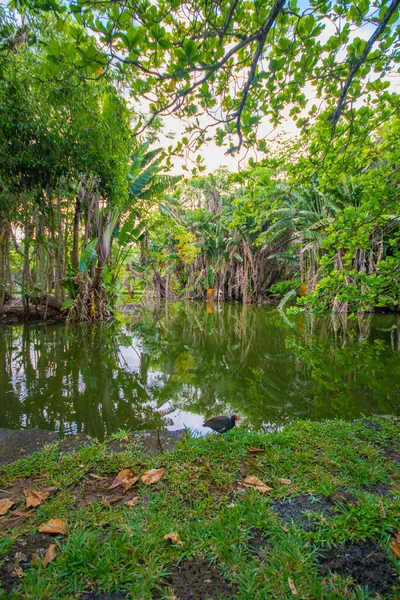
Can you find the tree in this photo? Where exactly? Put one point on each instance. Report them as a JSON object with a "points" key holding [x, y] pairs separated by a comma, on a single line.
{"points": [[65, 152], [236, 62]]}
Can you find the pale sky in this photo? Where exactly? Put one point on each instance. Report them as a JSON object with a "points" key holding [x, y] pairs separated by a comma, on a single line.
{"points": [[214, 156]]}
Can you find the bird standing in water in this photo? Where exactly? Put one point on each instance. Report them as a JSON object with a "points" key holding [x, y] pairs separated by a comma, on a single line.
{"points": [[221, 424]]}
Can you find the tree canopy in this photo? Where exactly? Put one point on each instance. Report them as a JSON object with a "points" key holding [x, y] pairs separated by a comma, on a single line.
{"points": [[225, 66], [85, 207]]}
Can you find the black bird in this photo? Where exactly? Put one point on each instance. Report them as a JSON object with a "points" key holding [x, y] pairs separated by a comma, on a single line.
{"points": [[221, 424]]}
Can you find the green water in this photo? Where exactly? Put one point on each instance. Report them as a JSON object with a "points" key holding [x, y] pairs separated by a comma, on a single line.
{"points": [[172, 365]]}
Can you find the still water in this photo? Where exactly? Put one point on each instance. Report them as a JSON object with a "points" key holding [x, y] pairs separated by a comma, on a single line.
{"points": [[172, 365]]}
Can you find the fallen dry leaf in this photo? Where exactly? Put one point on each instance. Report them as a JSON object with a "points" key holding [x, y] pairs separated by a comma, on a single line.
{"points": [[54, 526], [17, 571], [255, 483], [286, 481], [133, 502], [292, 587], [382, 508], [33, 498], [255, 450], [395, 544], [152, 476], [19, 513], [174, 537], [126, 479], [5, 505], [285, 529], [50, 555]]}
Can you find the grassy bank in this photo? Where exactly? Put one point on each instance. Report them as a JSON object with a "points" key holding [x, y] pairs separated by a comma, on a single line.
{"points": [[325, 529]]}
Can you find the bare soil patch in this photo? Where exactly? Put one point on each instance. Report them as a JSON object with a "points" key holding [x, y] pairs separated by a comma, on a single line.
{"points": [[96, 489], [366, 563], [391, 454], [20, 558], [259, 543], [152, 442], [342, 496], [380, 489], [15, 444], [198, 580], [297, 509]]}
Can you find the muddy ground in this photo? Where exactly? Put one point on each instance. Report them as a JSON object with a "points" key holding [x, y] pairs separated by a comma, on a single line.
{"points": [[367, 564], [15, 444], [44, 309]]}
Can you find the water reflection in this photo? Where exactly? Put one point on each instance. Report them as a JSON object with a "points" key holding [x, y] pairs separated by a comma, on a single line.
{"points": [[178, 363]]}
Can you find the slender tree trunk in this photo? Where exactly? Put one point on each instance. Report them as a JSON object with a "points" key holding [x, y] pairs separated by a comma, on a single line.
{"points": [[77, 221], [59, 271], [3, 245], [26, 273]]}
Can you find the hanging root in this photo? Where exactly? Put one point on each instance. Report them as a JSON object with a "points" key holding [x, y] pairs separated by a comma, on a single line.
{"points": [[90, 303]]}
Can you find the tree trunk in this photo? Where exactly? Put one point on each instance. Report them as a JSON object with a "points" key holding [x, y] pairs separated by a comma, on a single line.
{"points": [[3, 242], [77, 220], [59, 271]]}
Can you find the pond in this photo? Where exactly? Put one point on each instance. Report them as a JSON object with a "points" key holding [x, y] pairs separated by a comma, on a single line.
{"points": [[172, 365]]}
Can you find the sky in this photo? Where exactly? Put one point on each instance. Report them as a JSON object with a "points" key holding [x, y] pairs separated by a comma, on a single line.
{"points": [[215, 157]]}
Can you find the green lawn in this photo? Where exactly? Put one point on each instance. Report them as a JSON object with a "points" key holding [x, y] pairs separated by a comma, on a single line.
{"points": [[237, 541]]}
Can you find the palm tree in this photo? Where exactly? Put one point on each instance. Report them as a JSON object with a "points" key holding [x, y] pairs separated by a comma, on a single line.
{"points": [[145, 184]]}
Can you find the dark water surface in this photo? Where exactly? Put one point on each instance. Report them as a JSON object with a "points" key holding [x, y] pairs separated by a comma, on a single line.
{"points": [[172, 365]]}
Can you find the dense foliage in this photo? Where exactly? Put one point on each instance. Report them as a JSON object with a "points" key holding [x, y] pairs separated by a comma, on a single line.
{"points": [[84, 211], [284, 230]]}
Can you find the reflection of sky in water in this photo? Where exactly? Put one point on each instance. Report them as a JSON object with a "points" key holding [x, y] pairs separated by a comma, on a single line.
{"points": [[131, 355], [182, 364], [182, 418]]}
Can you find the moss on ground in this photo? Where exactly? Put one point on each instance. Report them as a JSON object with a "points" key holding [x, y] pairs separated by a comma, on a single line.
{"points": [[335, 485]]}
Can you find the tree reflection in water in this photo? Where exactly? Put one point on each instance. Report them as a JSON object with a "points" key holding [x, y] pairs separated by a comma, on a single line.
{"points": [[203, 359]]}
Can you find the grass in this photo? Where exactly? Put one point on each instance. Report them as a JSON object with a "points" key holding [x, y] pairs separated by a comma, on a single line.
{"points": [[110, 548]]}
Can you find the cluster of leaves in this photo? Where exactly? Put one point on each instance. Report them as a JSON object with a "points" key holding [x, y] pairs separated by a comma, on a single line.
{"points": [[329, 236], [234, 64]]}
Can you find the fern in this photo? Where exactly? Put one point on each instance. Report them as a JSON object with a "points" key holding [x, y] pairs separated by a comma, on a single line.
{"points": [[67, 304]]}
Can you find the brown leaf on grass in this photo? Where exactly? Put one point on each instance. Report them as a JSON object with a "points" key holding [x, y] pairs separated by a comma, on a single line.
{"points": [[126, 479], [292, 587], [54, 526], [253, 482], [5, 505], [175, 539], [19, 513], [285, 529], [33, 498], [286, 481], [395, 544], [152, 476], [17, 571], [255, 450], [382, 508], [50, 555], [133, 502], [99, 477]]}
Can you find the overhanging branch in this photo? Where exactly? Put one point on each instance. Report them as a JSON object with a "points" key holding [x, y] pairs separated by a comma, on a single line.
{"points": [[334, 117]]}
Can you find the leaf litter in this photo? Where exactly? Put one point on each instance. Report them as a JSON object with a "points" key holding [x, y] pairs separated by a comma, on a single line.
{"points": [[174, 538], [254, 482], [126, 479], [54, 527]]}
